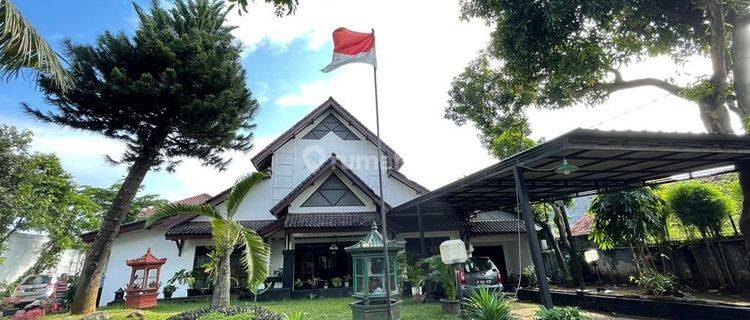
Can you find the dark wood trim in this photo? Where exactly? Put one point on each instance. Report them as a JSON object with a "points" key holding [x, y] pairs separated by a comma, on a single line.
{"points": [[179, 243], [263, 159]]}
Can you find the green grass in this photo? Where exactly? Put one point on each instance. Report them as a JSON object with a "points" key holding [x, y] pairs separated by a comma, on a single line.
{"points": [[318, 309]]}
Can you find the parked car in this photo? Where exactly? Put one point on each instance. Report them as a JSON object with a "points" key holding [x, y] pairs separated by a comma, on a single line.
{"points": [[35, 287], [480, 272]]}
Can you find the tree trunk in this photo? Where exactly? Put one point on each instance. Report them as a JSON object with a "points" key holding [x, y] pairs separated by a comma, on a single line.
{"points": [[220, 298], [574, 260], [97, 255], [741, 67], [556, 249]]}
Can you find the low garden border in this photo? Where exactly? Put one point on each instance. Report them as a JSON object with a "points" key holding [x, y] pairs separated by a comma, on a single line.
{"points": [[667, 308]]}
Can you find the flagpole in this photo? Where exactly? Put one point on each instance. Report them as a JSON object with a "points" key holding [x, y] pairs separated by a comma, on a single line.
{"points": [[383, 222]]}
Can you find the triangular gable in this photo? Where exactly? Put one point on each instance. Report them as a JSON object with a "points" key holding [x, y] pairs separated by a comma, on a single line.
{"points": [[331, 164], [263, 159], [333, 193]]}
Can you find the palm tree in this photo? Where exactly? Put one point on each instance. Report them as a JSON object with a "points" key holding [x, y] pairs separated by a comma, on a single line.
{"points": [[21, 46], [228, 233]]}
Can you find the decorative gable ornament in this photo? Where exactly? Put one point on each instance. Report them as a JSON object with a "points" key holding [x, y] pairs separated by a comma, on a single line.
{"points": [[330, 124], [331, 193]]}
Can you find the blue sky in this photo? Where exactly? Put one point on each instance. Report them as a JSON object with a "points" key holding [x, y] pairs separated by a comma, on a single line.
{"points": [[419, 53]]}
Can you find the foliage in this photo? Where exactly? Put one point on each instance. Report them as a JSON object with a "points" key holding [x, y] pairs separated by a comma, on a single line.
{"points": [[169, 289], [655, 283], [21, 46], [104, 197], [183, 277], [175, 89], [443, 274], [257, 313], [337, 282], [36, 194], [560, 313], [485, 305], [227, 232], [623, 217], [528, 276], [700, 205], [413, 273], [283, 7], [295, 316]]}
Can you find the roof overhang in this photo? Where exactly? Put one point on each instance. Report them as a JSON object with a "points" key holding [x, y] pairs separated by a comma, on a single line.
{"points": [[607, 160]]}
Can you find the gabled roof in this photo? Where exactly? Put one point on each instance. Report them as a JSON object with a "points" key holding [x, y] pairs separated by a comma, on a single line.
{"points": [[202, 229], [583, 227], [332, 163], [263, 159], [408, 182], [331, 220], [141, 223]]}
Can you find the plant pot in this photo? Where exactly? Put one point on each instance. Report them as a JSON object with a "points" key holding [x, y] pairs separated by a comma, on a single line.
{"points": [[450, 306], [417, 298], [346, 284]]}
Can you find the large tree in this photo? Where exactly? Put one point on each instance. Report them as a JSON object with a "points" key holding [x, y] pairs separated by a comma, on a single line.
{"points": [[629, 218], [176, 89], [556, 54]]}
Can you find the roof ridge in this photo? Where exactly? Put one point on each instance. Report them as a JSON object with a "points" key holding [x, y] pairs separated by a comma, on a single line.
{"points": [[260, 160]]}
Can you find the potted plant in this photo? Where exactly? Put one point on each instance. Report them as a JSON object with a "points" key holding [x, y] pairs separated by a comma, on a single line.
{"points": [[446, 277], [298, 284], [347, 280], [313, 282], [413, 273], [337, 282], [169, 290]]}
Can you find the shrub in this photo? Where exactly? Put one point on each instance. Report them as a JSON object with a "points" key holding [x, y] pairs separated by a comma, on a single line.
{"points": [[255, 313], [655, 283], [485, 305], [528, 276], [444, 275], [560, 313], [295, 316]]}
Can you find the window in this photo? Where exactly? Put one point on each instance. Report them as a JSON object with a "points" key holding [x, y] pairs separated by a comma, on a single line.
{"points": [[330, 123], [333, 192]]}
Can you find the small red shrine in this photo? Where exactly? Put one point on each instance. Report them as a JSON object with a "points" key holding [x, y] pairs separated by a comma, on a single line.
{"points": [[143, 287]]}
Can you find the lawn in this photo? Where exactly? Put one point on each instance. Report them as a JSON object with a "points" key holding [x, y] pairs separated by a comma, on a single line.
{"points": [[318, 309]]}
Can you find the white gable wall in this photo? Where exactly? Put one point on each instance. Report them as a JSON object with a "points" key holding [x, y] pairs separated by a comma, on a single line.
{"points": [[130, 245], [296, 205]]}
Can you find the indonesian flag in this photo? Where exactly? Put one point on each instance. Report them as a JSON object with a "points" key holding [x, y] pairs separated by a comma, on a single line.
{"points": [[351, 47]]}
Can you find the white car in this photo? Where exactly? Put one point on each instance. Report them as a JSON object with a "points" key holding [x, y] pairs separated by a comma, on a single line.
{"points": [[35, 287]]}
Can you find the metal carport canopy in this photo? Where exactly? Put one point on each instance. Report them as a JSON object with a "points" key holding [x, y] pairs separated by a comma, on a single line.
{"points": [[607, 160]]}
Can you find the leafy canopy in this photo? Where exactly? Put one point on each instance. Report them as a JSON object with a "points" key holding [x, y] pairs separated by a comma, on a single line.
{"points": [[623, 217], [558, 53], [104, 197], [176, 89], [700, 205]]}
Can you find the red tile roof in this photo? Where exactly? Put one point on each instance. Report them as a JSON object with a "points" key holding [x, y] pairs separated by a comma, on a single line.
{"points": [[583, 227], [196, 199]]}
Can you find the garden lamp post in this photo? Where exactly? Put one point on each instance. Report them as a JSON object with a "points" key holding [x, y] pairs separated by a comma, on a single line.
{"points": [[368, 262]]}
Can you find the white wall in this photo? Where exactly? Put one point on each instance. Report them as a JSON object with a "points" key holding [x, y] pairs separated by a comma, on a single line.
{"points": [[130, 245], [510, 245], [23, 250], [21, 253]]}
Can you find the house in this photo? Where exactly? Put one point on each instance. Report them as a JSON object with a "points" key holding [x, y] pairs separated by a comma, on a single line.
{"points": [[24, 250], [322, 195]]}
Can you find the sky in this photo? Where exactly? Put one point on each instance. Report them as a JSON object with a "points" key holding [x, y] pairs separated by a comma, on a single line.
{"points": [[421, 46]]}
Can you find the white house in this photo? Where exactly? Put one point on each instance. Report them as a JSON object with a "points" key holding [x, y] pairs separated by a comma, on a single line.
{"points": [[322, 195], [23, 251]]}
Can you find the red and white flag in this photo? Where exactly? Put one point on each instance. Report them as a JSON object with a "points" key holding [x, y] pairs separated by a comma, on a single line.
{"points": [[351, 47]]}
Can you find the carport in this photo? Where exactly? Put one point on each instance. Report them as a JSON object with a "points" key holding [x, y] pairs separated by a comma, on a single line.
{"points": [[580, 162]]}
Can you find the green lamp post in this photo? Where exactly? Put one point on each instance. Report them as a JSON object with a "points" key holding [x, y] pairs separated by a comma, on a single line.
{"points": [[368, 263]]}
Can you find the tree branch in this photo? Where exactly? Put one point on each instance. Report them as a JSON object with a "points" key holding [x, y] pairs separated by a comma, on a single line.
{"points": [[643, 82]]}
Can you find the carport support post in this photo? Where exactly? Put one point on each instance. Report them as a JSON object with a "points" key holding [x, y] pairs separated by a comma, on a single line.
{"points": [[536, 250], [422, 246], [573, 250]]}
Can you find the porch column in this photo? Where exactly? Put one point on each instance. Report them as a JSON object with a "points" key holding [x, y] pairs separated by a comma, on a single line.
{"points": [[573, 250], [288, 273], [422, 246], [536, 250]]}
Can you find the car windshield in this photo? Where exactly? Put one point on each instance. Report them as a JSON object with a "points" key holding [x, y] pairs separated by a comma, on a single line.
{"points": [[37, 280], [478, 265]]}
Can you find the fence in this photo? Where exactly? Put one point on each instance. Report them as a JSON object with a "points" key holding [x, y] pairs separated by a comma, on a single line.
{"points": [[691, 261]]}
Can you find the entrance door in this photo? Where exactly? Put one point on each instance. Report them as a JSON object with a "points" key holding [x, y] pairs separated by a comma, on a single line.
{"points": [[496, 254]]}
